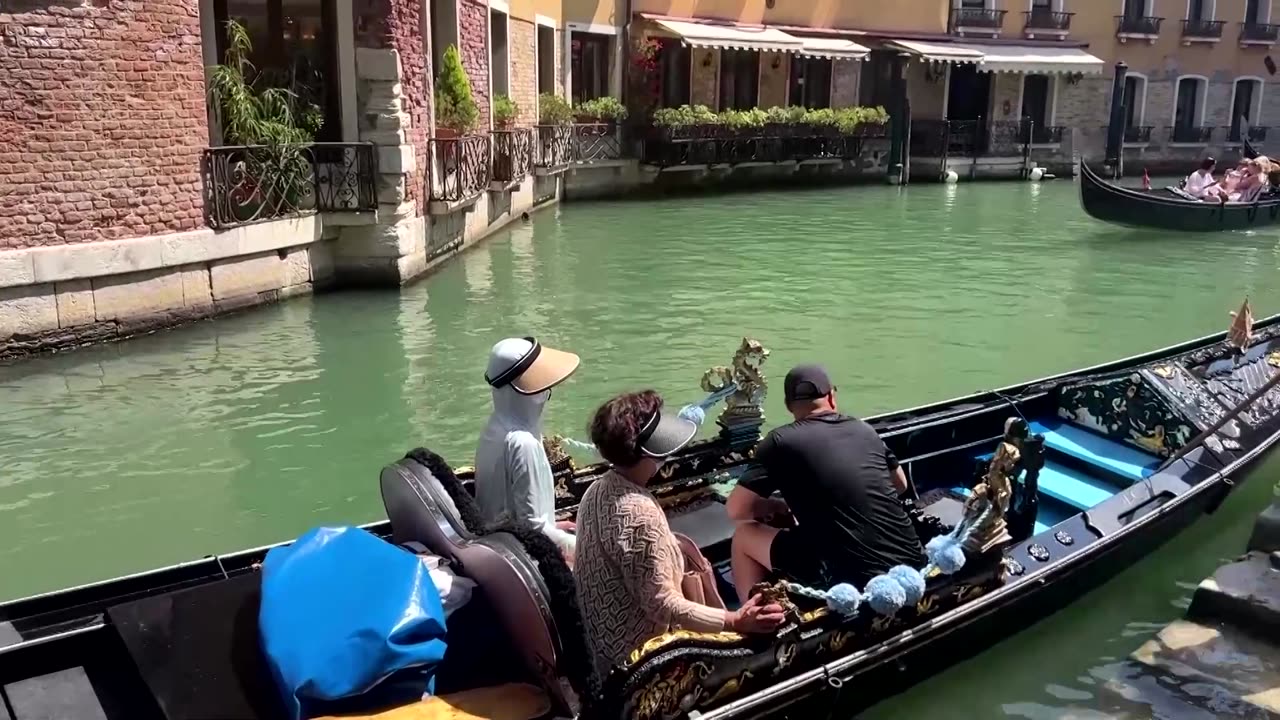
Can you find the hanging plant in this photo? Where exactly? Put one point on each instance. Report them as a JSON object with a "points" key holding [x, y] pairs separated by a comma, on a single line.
{"points": [[505, 111]]}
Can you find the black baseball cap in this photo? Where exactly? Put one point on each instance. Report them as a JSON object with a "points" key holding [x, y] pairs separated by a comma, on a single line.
{"points": [[806, 382]]}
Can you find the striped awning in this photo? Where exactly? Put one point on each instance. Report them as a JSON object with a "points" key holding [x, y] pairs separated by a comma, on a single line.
{"points": [[938, 52], [830, 47], [729, 37]]}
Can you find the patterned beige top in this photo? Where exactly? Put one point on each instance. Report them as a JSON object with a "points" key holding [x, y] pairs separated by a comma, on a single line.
{"points": [[628, 568]]}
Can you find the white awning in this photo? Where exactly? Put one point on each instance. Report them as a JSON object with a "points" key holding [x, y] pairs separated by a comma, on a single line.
{"points": [[939, 52], [830, 47], [1037, 59], [729, 37]]}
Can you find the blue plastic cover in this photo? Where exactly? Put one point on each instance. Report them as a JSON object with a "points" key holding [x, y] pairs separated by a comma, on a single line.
{"points": [[342, 611]]}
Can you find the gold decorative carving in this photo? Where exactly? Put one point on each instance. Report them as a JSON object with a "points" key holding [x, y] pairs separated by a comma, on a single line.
{"points": [[731, 687], [882, 623], [925, 606], [984, 511], [657, 643], [838, 639], [785, 654], [965, 593], [557, 456], [745, 405], [662, 696]]}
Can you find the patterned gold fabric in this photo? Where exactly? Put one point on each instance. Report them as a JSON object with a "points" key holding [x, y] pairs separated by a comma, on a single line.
{"points": [[628, 570]]}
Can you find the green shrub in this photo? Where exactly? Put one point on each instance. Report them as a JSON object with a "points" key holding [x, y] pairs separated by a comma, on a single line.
{"points": [[455, 107], [603, 109], [553, 110], [845, 120], [505, 111]]}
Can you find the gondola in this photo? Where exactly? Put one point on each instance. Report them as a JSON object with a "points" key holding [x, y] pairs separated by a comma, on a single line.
{"points": [[1115, 459], [1164, 210]]}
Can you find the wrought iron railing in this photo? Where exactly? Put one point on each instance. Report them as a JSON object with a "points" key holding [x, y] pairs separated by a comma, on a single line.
{"points": [[1202, 28], [1258, 32], [1138, 25], [252, 183], [717, 145], [555, 146], [1136, 133], [512, 154], [459, 167], [985, 18], [1045, 134], [1048, 20], [1256, 134], [1191, 134], [596, 141]]}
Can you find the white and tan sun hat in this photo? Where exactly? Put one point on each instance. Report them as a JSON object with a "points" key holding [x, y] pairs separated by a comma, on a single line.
{"points": [[528, 366]]}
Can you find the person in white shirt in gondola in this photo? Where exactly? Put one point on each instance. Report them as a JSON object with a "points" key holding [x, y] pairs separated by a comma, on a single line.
{"points": [[1201, 180]]}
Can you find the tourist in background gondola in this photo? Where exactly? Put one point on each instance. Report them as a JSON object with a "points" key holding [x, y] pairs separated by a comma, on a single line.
{"points": [[630, 566], [514, 482], [839, 481], [1202, 179]]}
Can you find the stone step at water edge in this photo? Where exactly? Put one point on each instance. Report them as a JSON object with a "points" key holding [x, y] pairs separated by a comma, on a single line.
{"points": [[1245, 594], [1215, 667]]}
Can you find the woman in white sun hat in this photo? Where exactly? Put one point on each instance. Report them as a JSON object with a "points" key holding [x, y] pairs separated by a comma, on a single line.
{"points": [[513, 477]]}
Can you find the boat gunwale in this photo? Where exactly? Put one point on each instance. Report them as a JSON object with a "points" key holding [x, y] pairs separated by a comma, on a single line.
{"points": [[986, 399], [957, 617]]}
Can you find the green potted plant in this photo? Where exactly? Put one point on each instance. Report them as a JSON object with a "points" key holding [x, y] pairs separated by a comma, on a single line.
{"points": [[456, 111], [505, 112], [276, 172], [600, 110], [553, 110]]}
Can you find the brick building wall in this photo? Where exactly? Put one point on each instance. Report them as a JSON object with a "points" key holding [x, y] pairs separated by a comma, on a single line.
{"points": [[397, 25], [522, 44], [473, 28], [103, 119]]}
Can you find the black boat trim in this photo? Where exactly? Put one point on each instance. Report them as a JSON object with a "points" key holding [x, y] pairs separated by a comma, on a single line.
{"points": [[982, 606]]}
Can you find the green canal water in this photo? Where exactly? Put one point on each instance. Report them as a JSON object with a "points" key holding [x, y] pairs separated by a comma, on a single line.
{"points": [[251, 429]]}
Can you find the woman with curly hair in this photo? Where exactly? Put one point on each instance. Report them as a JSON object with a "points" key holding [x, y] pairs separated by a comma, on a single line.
{"points": [[629, 564]]}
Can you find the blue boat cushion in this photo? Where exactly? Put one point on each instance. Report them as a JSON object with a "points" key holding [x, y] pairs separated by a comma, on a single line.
{"points": [[1120, 459], [345, 613]]}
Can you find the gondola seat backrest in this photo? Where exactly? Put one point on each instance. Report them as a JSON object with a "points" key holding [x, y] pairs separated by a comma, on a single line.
{"points": [[421, 511], [682, 671]]}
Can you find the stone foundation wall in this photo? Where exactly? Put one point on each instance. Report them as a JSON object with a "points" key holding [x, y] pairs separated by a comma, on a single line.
{"points": [[71, 295], [1006, 88], [522, 45], [102, 116]]}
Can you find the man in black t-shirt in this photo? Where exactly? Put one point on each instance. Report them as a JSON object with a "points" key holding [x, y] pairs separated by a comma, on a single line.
{"points": [[840, 483]]}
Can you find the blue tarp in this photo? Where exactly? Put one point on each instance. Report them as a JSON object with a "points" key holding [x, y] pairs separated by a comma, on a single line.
{"points": [[343, 610]]}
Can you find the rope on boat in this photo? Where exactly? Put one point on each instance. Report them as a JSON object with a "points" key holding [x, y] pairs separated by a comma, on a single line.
{"points": [[696, 413], [902, 585]]}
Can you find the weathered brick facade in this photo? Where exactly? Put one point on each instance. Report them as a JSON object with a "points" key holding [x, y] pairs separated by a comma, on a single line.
{"points": [[473, 29], [397, 25], [522, 45], [102, 121]]}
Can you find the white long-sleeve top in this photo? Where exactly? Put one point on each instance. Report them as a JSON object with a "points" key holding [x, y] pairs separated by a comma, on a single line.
{"points": [[513, 477]]}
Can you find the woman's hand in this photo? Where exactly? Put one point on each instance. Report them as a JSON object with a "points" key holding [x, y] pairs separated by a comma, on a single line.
{"points": [[753, 617], [568, 526]]}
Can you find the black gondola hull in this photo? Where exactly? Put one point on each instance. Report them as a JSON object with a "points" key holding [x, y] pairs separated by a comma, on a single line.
{"points": [[1164, 211]]}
